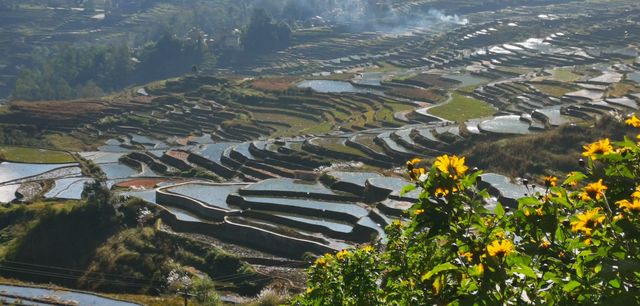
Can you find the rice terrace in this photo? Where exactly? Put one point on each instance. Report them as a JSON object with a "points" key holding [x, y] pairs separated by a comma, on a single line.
{"points": [[421, 152]]}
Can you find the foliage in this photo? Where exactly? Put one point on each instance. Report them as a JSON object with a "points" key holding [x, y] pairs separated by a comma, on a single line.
{"points": [[269, 297], [574, 242], [550, 152], [461, 108], [69, 72], [32, 155], [263, 34]]}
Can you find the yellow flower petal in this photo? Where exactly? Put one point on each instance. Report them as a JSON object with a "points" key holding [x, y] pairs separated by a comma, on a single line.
{"points": [[600, 147], [500, 248]]}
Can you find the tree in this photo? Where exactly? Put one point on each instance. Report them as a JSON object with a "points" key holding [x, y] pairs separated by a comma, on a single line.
{"points": [[263, 34]]}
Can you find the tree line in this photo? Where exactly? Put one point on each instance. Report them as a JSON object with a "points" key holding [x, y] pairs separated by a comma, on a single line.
{"points": [[69, 72]]}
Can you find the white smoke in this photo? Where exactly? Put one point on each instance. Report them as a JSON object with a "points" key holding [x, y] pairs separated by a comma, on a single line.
{"points": [[448, 18]]}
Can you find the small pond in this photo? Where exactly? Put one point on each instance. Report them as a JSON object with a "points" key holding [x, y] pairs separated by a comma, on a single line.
{"points": [[14, 171], [183, 215], [634, 76], [326, 86], [67, 188], [8, 193], [510, 124], [100, 157], [347, 208], [289, 185], [147, 142], [331, 224], [554, 115], [147, 195], [466, 79], [504, 185], [357, 178], [61, 295], [369, 78], [212, 195], [118, 171], [214, 151]]}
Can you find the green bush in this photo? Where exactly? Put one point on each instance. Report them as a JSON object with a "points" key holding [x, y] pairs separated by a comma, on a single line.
{"points": [[571, 243]]}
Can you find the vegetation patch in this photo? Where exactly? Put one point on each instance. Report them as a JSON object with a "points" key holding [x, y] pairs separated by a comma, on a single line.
{"points": [[524, 156], [461, 108], [553, 90], [621, 89], [427, 95], [565, 75], [574, 236], [273, 84], [35, 156]]}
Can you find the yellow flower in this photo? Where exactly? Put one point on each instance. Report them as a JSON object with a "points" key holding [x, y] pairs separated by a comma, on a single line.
{"points": [[438, 284], [368, 249], [309, 290], [587, 221], [479, 268], [599, 147], [452, 165], [618, 217], [633, 121], [441, 192], [500, 248], [527, 212], [413, 163], [320, 262], [636, 193], [545, 244], [587, 241], [550, 181], [419, 212], [593, 191], [343, 254], [631, 207], [416, 173], [468, 255]]}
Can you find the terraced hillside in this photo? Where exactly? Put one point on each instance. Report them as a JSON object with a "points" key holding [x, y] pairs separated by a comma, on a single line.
{"points": [[302, 152]]}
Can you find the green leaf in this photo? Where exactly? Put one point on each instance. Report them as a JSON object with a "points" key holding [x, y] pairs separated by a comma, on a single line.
{"points": [[527, 201], [526, 270], [407, 189], [615, 283], [570, 286], [439, 268], [575, 177], [499, 210]]}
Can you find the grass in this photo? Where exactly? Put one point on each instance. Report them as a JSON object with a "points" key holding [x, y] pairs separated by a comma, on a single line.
{"points": [[621, 89], [273, 84], [565, 75], [384, 67], [74, 143], [461, 108], [339, 146], [35, 156], [334, 77], [553, 90], [427, 95], [535, 155]]}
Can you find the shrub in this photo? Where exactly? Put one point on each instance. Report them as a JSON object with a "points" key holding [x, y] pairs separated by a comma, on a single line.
{"points": [[573, 242]]}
